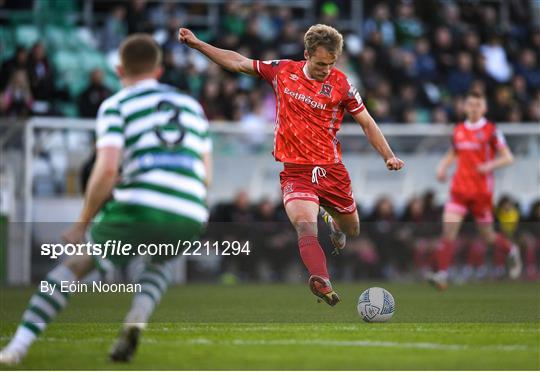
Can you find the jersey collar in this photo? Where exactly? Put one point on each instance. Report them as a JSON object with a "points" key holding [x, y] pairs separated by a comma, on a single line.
{"points": [[305, 71], [477, 125], [146, 83]]}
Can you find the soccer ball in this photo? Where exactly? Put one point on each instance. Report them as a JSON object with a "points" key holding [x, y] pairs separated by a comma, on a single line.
{"points": [[376, 305]]}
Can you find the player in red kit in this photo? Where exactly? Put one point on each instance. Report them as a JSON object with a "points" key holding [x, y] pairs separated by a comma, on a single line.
{"points": [[311, 99], [479, 149]]}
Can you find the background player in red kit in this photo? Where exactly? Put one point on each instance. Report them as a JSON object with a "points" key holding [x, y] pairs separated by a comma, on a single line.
{"points": [[312, 96], [479, 149]]}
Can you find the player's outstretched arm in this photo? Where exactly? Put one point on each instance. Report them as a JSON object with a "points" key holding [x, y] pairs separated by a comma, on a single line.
{"points": [[377, 140], [444, 164], [227, 59]]}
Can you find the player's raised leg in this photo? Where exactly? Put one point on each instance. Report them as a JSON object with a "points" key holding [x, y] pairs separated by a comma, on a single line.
{"points": [[342, 226], [303, 215], [44, 306]]}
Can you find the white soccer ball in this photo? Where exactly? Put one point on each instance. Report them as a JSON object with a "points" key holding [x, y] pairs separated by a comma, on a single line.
{"points": [[376, 305]]}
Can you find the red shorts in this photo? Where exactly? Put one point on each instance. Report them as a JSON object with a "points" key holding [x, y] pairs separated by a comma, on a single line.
{"points": [[480, 205], [327, 185]]}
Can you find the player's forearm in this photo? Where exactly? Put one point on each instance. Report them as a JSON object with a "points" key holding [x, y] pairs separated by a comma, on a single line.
{"points": [[377, 140], [227, 59], [500, 162], [207, 157], [100, 186], [447, 160]]}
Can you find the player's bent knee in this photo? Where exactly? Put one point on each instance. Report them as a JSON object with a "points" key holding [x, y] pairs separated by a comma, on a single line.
{"points": [[352, 231], [303, 227]]}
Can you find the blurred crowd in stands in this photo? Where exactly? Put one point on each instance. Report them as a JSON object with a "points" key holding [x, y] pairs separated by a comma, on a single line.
{"points": [[413, 61], [392, 244]]}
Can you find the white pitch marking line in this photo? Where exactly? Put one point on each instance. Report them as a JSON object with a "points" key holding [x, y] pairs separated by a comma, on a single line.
{"points": [[339, 343], [357, 343]]}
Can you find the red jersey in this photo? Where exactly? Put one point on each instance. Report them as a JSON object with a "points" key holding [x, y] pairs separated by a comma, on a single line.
{"points": [[475, 144], [308, 113]]}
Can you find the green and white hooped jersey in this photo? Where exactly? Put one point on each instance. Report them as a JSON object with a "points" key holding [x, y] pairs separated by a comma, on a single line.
{"points": [[163, 134]]}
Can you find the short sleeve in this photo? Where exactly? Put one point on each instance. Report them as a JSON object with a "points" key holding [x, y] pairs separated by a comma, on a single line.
{"points": [[194, 118], [498, 139], [353, 102], [207, 140], [109, 126], [269, 69], [453, 138]]}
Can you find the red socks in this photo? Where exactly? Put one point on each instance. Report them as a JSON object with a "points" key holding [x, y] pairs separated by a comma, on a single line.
{"points": [[313, 256], [502, 248], [444, 254]]}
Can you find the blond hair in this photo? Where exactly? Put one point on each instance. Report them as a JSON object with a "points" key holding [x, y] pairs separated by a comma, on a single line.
{"points": [[323, 36], [139, 54]]}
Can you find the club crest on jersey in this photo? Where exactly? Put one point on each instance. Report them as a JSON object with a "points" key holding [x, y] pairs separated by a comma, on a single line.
{"points": [[479, 136], [326, 90], [293, 77]]}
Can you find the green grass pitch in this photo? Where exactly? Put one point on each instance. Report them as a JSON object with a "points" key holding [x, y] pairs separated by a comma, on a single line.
{"points": [[494, 326]]}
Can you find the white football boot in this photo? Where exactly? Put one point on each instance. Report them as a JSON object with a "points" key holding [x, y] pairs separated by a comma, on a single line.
{"points": [[515, 265]]}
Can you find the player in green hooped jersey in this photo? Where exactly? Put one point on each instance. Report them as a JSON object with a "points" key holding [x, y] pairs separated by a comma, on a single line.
{"points": [[148, 185]]}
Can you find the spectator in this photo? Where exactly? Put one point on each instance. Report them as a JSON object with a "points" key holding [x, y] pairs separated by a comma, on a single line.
{"points": [[471, 43], [172, 75], [529, 239], [253, 124], [533, 111], [460, 78], [114, 30], [252, 40], [17, 62], [380, 22], [289, 44], [381, 226], [268, 30], [408, 27], [408, 98], [425, 63], [41, 75], [369, 75], [529, 69], [234, 20], [507, 215], [439, 115], [16, 99], [273, 239], [136, 18], [502, 104], [497, 65], [93, 95], [444, 49], [450, 18], [210, 102], [521, 94]]}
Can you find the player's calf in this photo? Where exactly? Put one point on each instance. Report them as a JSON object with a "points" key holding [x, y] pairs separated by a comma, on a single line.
{"points": [[337, 237]]}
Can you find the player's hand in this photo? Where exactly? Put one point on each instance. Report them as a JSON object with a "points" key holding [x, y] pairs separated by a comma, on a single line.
{"points": [[75, 233], [441, 174], [484, 168], [394, 163], [187, 37]]}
